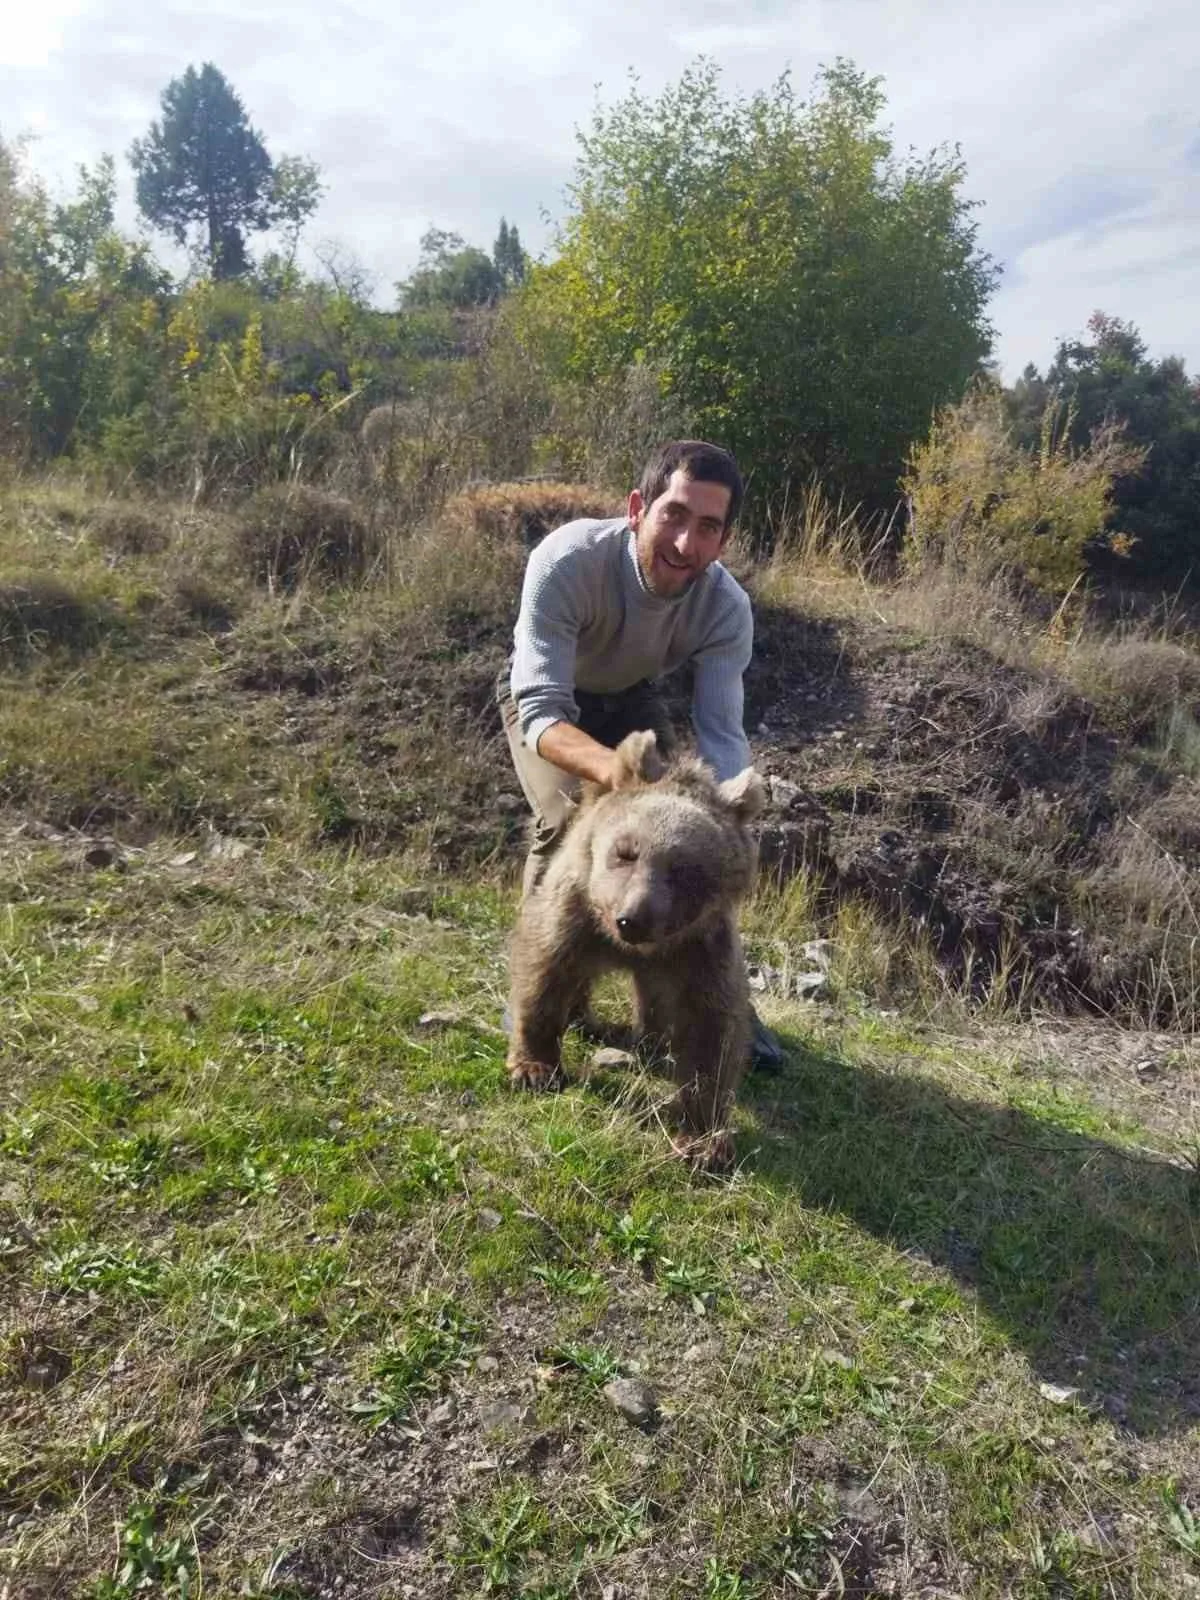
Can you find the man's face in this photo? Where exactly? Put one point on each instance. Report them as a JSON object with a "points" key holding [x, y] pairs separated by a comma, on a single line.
{"points": [[679, 534]]}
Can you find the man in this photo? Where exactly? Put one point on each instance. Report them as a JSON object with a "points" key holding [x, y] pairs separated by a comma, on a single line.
{"points": [[607, 607]]}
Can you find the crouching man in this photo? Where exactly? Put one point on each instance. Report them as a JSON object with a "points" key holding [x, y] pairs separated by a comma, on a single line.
{"points": [[608, 607]]}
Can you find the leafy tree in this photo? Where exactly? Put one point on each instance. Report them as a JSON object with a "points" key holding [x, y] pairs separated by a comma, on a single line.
{"points": [[203, 165], [1108, 377], [508, 257], [450, 274], [808, 298]]}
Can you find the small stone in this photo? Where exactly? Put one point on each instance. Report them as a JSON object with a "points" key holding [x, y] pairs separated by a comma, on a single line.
{"points": [[1058, 1394], [819, 952], [811, 986], [444, 1413], [452, 1018], [635, 1400], [612, 1060], [509, 803], [837, 1358], [488, 1219], [784, 792], [487, 1364], [503, 1414]]}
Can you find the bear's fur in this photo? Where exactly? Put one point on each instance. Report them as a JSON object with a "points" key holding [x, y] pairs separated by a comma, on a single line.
{"points": [[647, 880]]}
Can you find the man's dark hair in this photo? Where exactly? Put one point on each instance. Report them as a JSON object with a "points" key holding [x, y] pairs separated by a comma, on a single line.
{"points": [[702, 463]]}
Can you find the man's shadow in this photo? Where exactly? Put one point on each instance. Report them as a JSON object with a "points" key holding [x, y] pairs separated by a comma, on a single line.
{"points": [[1084, 1252]]}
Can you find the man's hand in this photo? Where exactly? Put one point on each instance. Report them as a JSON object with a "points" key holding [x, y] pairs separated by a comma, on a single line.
{"points": [[568, 747]]}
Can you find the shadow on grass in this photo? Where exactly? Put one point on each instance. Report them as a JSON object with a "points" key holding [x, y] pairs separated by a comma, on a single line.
{"points": [[1086, 1254]]}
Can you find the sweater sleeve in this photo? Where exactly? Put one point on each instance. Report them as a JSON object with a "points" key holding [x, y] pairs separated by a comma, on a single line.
{"points": [[718, 698], [546, 641]]}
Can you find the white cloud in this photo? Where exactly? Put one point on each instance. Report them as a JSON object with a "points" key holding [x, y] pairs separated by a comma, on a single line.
{"points": [[1077, 124]]}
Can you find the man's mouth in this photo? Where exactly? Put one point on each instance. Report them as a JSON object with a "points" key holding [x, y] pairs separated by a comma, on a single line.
{"points": [[675, 566]]}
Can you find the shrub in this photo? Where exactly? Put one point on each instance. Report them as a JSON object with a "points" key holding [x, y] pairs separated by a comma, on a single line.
{"points": [[526, 512], [979, 500], [1138, 683], [38, 613], [290, 532], [129, 530]]}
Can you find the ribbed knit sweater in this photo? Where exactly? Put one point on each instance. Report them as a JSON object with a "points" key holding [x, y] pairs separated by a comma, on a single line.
{"points": [[588, 621]]}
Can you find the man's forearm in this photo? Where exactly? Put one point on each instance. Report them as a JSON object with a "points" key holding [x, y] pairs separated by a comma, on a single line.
{"points": [[568, 747]]}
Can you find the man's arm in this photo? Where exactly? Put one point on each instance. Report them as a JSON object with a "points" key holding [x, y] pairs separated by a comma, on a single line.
{"points": [[566, 746]]}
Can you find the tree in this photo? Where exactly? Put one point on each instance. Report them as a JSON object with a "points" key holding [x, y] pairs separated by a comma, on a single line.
{"points": [[508, 257], [1108, 377], [809, 299], [450, 274], [203, 165]]}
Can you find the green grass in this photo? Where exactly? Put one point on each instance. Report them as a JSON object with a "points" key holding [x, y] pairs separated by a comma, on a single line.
{"points": [[257, 1224]]}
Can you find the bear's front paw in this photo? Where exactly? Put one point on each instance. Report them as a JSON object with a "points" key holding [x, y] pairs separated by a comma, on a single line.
{"points": [[708, 1152], [526, 1073]]}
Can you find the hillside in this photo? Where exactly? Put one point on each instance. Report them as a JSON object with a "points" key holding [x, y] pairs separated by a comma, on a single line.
{"points": [[299, 1301]]}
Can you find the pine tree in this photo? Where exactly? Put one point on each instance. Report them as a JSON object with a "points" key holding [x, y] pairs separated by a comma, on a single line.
{"points": [[203, 164], [508, 257]]}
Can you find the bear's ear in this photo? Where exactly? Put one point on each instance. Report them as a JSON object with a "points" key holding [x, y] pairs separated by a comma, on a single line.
{"points": [[745, 795], [638, 760]]}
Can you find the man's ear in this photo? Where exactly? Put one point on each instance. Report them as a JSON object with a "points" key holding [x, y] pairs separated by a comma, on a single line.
{"points": [[638, 760], [745, 795], [637, 508]]}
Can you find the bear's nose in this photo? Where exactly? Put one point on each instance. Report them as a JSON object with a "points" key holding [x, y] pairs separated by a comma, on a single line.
{"points": [[633, 929]]}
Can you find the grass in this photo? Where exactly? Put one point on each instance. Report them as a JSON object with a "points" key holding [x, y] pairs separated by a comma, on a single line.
{"points": [[296, 1298], [258, 1224]]}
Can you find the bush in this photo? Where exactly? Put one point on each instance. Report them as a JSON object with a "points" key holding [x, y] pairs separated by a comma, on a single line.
{"points": [[979, 500], [40, 613], [526, 512], [1138, 683], [293, 532], [129, 530]]}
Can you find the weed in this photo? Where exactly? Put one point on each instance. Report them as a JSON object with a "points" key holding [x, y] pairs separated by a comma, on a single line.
{"points": [[1183, 1526], [81, 1267], [562, 1278], [640, 1242], [494, 1545], [149, 1560], [439, 1340], [598, 1366]]}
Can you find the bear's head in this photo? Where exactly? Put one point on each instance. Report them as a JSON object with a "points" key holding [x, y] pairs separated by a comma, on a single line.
{"points": [[669, 852]]}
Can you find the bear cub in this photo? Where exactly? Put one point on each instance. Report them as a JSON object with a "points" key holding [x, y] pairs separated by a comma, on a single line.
{"points": [[647, 880]]}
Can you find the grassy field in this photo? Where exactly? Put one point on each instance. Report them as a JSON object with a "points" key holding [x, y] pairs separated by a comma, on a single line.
{"points": [[298, 1299]]}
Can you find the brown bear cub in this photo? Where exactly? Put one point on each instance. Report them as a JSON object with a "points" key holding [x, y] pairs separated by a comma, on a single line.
{"points": [[647, 880]]}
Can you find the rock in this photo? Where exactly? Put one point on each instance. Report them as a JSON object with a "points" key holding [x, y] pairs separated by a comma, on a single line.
{"points": [[503, 1414], [762, 977], [443, 1414], [223, 848], [509, 803], [487, 1364], [615, 1060], [635, 1400], [811, 986], [784, 793], [837, 1358], [819, 952], [1058, 1394], [488, 1219], [454, 1017]]}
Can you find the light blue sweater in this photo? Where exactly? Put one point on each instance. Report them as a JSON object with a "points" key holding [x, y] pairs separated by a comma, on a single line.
{"points": [[587, 621]]}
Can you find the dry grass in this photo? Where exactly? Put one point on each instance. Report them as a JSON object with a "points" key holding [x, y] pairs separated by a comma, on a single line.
{"points": [[292, 533], [526, 512]]}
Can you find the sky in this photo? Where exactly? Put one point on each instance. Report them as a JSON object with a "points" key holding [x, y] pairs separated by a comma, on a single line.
{"points": [[1079, 124]]}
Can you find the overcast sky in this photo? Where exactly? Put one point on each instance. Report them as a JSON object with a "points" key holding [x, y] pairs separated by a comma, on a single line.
{"points": [[1080, 124]]}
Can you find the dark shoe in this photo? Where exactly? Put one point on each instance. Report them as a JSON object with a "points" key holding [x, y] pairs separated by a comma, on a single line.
{"points": [[766, 1053]]}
